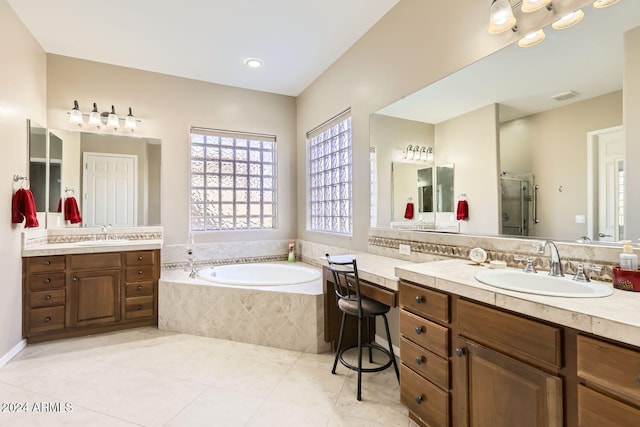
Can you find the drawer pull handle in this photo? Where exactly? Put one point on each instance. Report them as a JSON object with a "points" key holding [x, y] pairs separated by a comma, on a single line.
{"points": [[139, 287], [47, 263], [420, 360], [140, 258], [460, 352], [139, 271], [46, 281], [47, 297], [419, 330], [420, 299], [47, 319], [139, 307], [419, 399]]}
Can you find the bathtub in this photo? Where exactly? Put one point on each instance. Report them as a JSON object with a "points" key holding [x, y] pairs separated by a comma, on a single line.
{"points": [[273, 304]]}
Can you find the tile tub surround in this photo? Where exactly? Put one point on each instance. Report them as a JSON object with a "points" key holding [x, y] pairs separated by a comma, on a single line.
{"points": [[615, 317], [445, 245], [286, 317]]}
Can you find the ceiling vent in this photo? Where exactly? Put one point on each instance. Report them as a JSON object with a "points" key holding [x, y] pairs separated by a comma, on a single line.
{"points": [[563, 96]]}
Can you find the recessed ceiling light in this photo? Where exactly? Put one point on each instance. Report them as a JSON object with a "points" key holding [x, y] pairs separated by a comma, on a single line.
{"points": [[253, 63]]}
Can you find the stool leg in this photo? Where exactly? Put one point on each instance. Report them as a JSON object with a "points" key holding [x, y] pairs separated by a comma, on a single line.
{"points": [[369, 339], [335, 362], [393, 356], [359, 357]]}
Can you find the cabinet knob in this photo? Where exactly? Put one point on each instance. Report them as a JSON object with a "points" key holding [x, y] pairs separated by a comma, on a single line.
{"points": [[420, 299], [47, 280], [139, 271], [47, 297], [139, 307], [419, 330], [419, 399], [46, 319], [420, 360], [140, 258], [460, 352], [75, 279], [47, 262], [639, 378], [139, 287]]}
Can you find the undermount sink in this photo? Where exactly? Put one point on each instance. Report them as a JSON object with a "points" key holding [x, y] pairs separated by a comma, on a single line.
{"points": [[543, 284], [110, 242]]}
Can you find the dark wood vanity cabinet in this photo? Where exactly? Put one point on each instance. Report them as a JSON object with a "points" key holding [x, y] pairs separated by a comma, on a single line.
{"points": [[465, 363], [80, 294]]}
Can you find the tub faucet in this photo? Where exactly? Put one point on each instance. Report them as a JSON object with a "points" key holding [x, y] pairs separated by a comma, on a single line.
{"points": [[191, 265], [555, 268]]}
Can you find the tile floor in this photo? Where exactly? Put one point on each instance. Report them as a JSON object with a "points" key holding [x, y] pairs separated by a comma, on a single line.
{"points": [[147, 377]]}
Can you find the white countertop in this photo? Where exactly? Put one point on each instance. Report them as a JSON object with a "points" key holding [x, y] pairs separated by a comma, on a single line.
{"points": [[48, 249], [375, 268], [616, 317]]}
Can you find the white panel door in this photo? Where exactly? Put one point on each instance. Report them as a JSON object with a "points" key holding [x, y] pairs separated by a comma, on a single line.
{"points": [[610, 185], [110, 189]]}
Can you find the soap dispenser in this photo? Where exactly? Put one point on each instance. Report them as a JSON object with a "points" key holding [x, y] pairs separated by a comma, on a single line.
{"points": [[628, 260]]}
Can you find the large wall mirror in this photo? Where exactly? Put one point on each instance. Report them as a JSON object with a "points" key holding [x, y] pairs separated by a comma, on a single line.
{"points": [[536, 133], [112, 179]]}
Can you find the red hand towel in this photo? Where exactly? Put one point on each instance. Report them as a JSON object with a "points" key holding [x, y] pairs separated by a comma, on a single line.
{"points": [[71, 211], [408, 211], [29, 209], [16, 207], [462, 211]]}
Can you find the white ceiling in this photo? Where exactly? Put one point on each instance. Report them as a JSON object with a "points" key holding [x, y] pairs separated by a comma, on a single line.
{"points": [[206, 40], [586, 58]]}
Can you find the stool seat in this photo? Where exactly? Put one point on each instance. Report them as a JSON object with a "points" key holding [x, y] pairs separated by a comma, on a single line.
{"points": [[351, 302]]}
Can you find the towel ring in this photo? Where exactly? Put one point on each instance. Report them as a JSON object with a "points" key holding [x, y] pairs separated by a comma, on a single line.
{"points": [[67, 189]]}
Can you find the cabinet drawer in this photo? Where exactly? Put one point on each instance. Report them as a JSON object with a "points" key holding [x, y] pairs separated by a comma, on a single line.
{"points": [[139, 289], [598, 410], [423, 398], [95, 261], [39, 282], [47, 298], [45, 263], [139, 307], [46, 319], [427, 364], [519, 337], [613, 367], [429, 335], [426, 302], [140, 258], [142, 272]]}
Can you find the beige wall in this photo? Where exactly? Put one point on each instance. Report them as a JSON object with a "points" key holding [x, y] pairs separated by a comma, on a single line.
{"points": [[391, 136], [22, 96], [631, 102], [168, 106], [470, 143], [413, 45]]}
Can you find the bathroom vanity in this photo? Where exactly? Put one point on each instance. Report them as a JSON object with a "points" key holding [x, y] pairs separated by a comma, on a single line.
{"points": [[71, 289], [475, 355]]}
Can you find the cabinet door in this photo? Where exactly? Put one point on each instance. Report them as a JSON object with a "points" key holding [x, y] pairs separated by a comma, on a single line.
{"points": [[498, 391], [94, 297]]}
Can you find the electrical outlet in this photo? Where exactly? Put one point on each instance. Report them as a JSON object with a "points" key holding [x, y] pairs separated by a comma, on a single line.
{"points": [[580, 219], [404, 249]]}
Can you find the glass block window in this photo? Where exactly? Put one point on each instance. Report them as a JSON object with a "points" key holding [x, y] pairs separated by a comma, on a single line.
{"points": [[233, 181], [330, 177]]}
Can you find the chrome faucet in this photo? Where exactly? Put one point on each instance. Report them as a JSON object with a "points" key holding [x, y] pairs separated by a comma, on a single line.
{"points": [[105, 231], [555, 268]]}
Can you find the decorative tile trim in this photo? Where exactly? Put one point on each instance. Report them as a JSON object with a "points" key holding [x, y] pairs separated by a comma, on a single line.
{"points": [[541, 263], [72, 238], [215, 262]]}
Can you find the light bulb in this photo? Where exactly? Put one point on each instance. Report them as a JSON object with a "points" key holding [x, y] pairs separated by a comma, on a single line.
{"points": [[568, 20], [533, 5], [75, 116], [130, 121], [501, 17], [94, 116], [532, 39], [601, 4], [112, 119]]}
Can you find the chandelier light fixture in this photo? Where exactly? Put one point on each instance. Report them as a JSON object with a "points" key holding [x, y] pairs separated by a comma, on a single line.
{"points": [[107, 119]]}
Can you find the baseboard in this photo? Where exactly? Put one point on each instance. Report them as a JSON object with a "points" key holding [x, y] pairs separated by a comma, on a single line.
{"points": [[384, 343], [12, 353]]}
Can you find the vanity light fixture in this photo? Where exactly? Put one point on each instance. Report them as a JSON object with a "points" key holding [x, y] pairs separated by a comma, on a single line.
{"points": [[254, 63], [112, 118], [415, 152], [601, 4], [130, 121], [428, 153], [568, 20], [533, 5], [75, 116], [501, 17], [94, 116], [532, 39]]}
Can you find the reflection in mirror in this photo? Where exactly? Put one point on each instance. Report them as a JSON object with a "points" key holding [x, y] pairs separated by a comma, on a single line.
{"points": [[55, 171], [527, 131], [38, 167], [114, 179], [444, 181], [425, 190]]}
